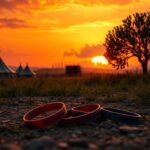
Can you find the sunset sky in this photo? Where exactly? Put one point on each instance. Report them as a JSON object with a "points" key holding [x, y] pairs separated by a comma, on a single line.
{"points": [[51, 32]]}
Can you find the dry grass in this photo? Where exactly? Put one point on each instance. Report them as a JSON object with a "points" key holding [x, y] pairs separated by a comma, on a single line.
{"points": [[108, 88]]}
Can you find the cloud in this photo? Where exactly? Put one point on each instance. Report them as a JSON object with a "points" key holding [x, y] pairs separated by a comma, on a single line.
{"points": [[86, 51], [12, 4], [72, 52], [29, 4], [41, 4], [9, 52], [38, 12], [13, 23], [104, 2]]}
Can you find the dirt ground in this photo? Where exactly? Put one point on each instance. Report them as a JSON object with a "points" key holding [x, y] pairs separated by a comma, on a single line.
{"points": [[109, 135]]}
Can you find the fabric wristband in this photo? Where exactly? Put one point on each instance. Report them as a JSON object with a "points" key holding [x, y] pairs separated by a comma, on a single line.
{"points": [[82, 114], [58, 110]]}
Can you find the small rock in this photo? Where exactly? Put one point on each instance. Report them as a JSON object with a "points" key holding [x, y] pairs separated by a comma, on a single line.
{"points": [[114, 130], [5, 121], [116, 141], [129, 145], [1, 112], [42, 143], [10, 147], [108, 124], [74, 135], [78, 142], [93, 146], [147, 118], [145, 111], [1, 140], [129, 129], [132, 136], [29, 136], [63, 145]]}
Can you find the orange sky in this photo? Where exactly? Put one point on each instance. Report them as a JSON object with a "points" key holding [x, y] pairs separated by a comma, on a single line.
{"points": [[48, 32]]}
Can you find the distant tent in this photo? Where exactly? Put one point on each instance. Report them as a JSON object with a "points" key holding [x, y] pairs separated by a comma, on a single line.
{"points": [[5, 71], [27, 72], [19, 71]]}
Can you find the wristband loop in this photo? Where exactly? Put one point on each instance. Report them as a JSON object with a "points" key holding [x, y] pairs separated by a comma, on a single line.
{"points": [[121, 116], [83, 114], [58, 110]]}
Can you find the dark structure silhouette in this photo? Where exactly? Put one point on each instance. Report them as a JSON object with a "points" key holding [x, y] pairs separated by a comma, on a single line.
{"points": [[27, 72], [19, 71], [131, 39], [73, 70], [5, 71]]}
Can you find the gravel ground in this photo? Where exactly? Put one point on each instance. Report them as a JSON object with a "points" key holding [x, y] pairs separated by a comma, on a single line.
{"points": [[109, 135]]}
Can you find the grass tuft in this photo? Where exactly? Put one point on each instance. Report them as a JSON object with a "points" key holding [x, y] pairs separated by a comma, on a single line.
{"points": [[104, 87]]}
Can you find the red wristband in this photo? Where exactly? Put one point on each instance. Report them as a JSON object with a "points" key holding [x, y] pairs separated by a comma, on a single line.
{"points": [[83, 114], [58, 110]]}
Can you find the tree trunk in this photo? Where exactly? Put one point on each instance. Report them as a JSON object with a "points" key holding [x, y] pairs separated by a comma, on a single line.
{"points": [[144, 68]]}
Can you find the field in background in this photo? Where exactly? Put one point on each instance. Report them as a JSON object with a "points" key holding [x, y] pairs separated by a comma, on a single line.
{"points": [[128, 87]]}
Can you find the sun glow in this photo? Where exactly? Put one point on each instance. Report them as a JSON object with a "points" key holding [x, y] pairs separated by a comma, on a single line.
{"points": [[99, 60]]}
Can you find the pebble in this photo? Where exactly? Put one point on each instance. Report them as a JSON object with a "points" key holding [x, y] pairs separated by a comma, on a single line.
{"points": [[1, 112], [63, 145], [10, 147], [132, 136], [116, 141], [107, 124], [131, 145], [93, 146], [42, 143], [79, 142], [125, 129], [5, 121]]}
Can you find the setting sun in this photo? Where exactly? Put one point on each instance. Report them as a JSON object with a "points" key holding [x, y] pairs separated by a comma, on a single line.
{"points": [[99, 60]]}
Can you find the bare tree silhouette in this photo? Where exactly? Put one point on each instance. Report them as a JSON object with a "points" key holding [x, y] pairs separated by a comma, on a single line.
{"points": [[131, 39]]}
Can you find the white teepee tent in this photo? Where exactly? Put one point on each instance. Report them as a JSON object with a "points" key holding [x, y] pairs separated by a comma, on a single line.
{"points": [[19, 71], [5, 71], [27, 72]]}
